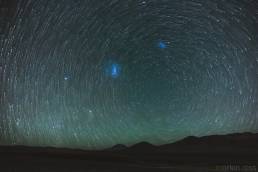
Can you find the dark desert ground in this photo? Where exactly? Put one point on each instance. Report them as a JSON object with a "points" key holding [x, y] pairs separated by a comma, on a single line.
{"points": [[233, 152]]}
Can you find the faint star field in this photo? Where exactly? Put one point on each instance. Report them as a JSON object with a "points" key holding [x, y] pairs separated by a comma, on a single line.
{"points": [[92, 74]]}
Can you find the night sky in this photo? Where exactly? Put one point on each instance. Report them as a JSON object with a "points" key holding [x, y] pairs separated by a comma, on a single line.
{"points": [[94, 73]]}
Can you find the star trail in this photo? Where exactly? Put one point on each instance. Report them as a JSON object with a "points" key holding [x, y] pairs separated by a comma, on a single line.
{"points": [[92, 74]]}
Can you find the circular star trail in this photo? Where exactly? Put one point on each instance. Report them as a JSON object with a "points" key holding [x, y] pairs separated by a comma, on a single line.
{"points": [[91, 74]]}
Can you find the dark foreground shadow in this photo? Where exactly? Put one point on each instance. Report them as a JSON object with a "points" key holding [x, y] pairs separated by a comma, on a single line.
{"points": [[235, 152]]}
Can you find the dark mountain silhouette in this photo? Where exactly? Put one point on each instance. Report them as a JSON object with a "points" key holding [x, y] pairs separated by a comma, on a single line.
{"points": [[197, 152], [142, 146], [117, 147], [238, 141], [208, 143]]}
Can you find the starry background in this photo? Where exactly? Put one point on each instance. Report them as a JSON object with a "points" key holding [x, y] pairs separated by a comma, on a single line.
{"points": [[94, 73]]}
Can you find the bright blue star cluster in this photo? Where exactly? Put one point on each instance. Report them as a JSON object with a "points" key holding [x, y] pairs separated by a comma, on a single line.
{"points": [[113, 70], [162, 45]]}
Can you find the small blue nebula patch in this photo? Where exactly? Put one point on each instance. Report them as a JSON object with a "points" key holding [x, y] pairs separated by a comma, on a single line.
{"points": [[162, 45], [66, 77], [113, 70]]}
